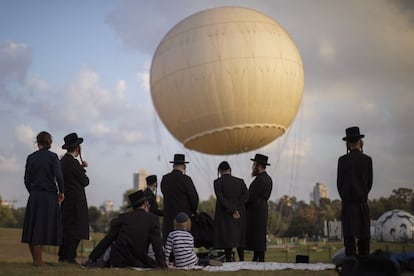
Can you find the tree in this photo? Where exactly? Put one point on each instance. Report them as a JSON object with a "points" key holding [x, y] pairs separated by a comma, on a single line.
{"points": [[7, 218], [125, 200], [405, 194], [208, 206]]}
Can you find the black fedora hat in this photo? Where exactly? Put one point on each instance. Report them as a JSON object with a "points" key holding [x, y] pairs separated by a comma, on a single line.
{"points": [[261, 159], [352, 134], [71, 141], [137, 198], [151, 179], [179, 159]]}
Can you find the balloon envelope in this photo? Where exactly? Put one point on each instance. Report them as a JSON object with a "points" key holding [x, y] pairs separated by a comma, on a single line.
{"points": [[226, 80]]}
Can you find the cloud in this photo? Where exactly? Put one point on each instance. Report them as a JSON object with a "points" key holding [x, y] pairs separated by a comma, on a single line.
{"points": [[15, 59], [327, 51], [9, 164], [144, 80], [25, 135]]}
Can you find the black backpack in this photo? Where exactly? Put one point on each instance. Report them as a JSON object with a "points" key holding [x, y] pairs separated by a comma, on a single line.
{"points": [[202, 229]]}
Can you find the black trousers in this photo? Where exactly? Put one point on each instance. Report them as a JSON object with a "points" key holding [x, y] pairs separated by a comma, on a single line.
{"points": [[67, 251], [258, 256], [352, 243]]}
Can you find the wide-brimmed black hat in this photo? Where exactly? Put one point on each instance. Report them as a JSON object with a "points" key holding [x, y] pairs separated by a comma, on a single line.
{"points": [[179, 159], [151, 179], [261, 159], [352, 134], [71, 141], [136, 198]]}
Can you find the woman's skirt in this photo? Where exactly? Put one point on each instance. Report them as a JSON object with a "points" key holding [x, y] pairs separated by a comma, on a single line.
{"points": [[42, 220]]}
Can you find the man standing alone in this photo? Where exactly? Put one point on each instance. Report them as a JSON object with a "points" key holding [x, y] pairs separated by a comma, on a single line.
{"points": [[256, 208], [180, 194], [74, 207], [354, 182]]}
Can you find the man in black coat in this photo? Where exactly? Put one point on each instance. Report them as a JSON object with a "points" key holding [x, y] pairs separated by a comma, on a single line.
{"points": [[229, 218], [256, 208], [354, 182], [74, 208], [151, 193], [180, 194], [137, 230]]}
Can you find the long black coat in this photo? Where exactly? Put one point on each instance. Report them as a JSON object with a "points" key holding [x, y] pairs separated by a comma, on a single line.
{"points": [[137, 230], [180, 195], [231, 193], [354, 182], [257, 212], [74, 206]]}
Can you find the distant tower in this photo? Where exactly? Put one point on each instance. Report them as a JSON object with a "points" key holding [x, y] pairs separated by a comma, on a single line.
{"points": [[139, 182], [108, 206], [319, 191]]}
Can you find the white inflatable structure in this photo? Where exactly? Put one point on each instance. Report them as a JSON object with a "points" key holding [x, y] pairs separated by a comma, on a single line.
{"points": [[395, 226]]}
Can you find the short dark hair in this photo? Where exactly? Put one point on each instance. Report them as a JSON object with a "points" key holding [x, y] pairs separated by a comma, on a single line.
{"points": [[44, 139]]}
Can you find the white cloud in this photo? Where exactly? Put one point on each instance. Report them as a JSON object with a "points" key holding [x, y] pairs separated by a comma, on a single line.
{"points": [[144, 80], [9, 164], [121, 89], [15, 59], [25, 135], [327, 51]]}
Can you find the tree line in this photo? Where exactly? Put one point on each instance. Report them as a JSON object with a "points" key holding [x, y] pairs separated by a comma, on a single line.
{"points": [[288, 217]]}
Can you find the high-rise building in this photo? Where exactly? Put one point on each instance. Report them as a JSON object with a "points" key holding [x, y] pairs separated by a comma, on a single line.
{"points": [[108, 206], [319, 191], [139, 181]]}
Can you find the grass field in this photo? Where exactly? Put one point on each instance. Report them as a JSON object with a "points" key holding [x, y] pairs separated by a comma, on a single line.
{"points": [[15, 259]]}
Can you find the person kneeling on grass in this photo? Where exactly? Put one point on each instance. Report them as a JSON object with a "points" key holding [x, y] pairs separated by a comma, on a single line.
{"points": [[180, 243], [129, 238]]}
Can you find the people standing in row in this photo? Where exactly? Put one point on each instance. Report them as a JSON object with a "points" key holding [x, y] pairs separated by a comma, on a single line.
{"points": [[42, 221], [257, 209], [151, 193], [74, 207], [180, 194], [137, 230], [354, 182], [229, 219]]}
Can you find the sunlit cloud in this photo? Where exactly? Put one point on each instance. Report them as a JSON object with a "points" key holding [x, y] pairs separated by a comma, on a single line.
{"points": [[25, 135]]}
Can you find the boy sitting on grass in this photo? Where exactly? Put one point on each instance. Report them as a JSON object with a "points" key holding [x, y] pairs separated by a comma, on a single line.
{"points": [[180, 243]]}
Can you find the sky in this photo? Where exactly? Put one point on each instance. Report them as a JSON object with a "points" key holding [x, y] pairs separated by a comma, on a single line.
{"points": [[83, 66]]}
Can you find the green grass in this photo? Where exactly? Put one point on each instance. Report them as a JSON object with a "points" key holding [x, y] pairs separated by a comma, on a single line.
{"points": [[15, 259]]}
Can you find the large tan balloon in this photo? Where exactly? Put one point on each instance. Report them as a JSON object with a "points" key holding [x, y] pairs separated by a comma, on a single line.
{"points": [[226, 80]]}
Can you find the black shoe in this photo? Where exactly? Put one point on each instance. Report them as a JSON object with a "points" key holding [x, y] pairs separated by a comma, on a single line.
{"points": [[213, 262]]}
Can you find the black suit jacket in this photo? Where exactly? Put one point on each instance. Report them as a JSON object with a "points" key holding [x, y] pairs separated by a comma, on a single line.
{"points": [[137, 230], [180, 195], [354, 182]]}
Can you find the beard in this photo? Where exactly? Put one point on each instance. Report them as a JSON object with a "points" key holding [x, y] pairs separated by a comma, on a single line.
{"points": [[255, 172]]}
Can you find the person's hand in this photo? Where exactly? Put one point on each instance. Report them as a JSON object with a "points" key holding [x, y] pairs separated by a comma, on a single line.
{"points": [[61, 197], [84, 164], [236, 214]]}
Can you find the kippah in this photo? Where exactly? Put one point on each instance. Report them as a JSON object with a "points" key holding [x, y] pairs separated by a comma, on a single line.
{"points": [[181, 217]]}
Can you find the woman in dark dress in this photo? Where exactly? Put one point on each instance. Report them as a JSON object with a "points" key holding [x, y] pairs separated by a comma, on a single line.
{"points": [[42, 221]]}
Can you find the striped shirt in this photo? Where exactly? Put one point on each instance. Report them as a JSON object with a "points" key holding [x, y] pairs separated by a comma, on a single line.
{"points": [[181, 244]]}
